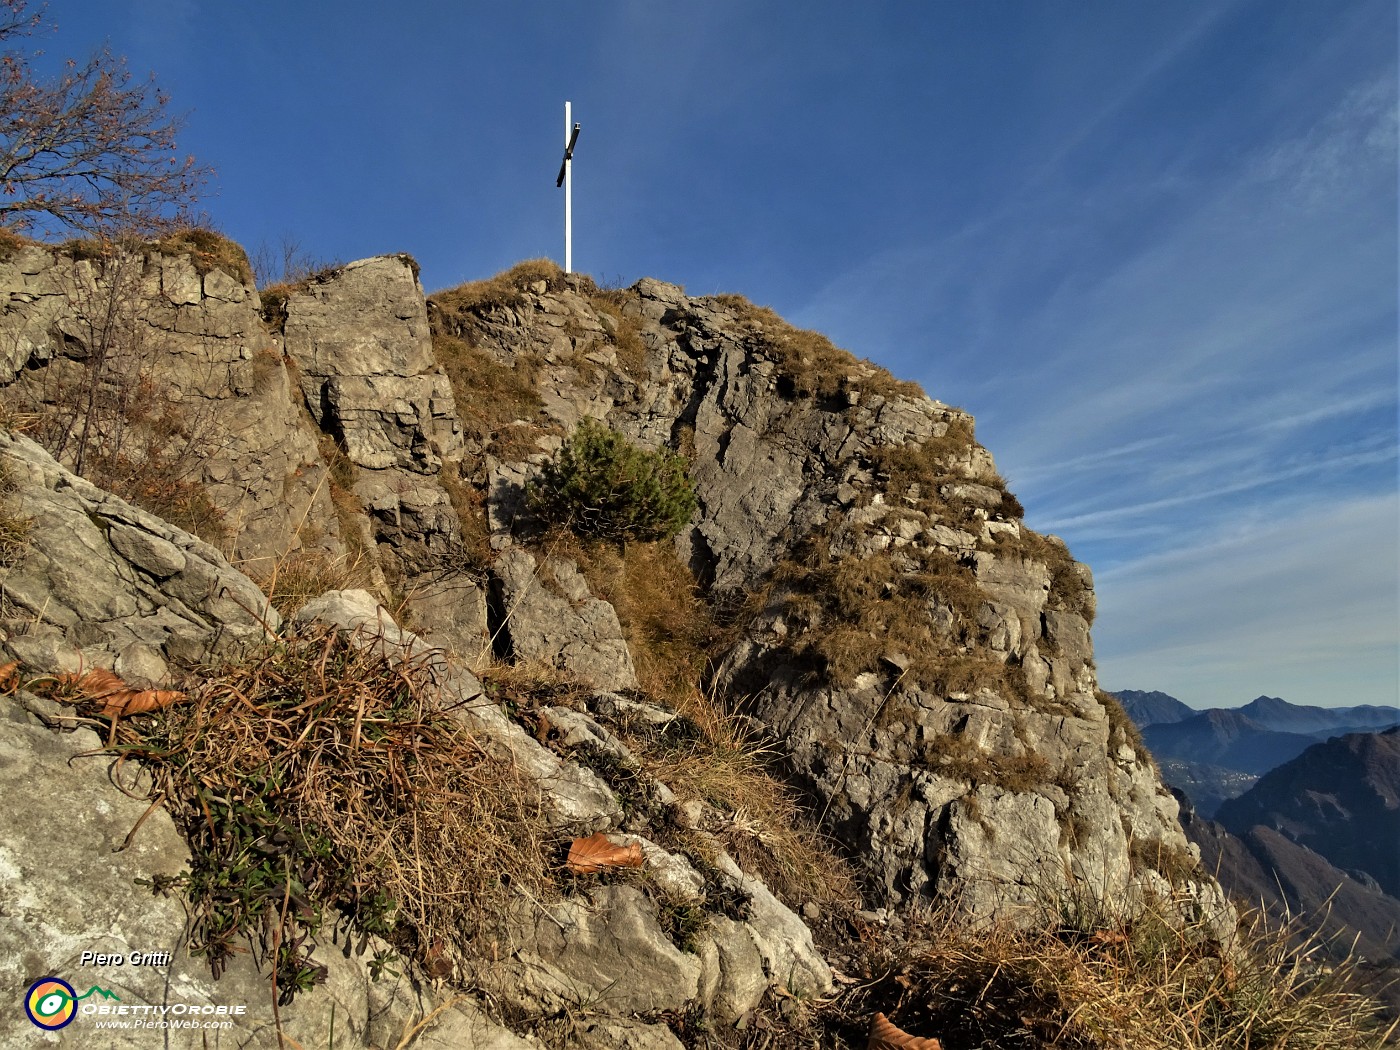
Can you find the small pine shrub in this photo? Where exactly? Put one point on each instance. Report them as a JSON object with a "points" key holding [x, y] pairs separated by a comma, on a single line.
{"points": [[599, 484]]}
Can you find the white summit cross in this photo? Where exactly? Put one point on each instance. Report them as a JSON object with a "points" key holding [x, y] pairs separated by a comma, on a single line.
{"points": [[566, 179]]}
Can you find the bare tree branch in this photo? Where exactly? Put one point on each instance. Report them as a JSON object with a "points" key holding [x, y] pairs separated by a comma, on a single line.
{"points": [[91, 150]]}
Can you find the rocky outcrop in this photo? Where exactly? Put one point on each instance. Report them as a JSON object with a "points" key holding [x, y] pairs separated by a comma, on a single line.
{"points": [[159, 366], [359, 337], [605, 946], [922, 658], [359, 340], [93, 582], [87, 890], [549, 615], [877, 611]]}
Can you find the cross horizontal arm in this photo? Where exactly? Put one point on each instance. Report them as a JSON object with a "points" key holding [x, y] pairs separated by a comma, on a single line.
{"points": [[568, 156]]}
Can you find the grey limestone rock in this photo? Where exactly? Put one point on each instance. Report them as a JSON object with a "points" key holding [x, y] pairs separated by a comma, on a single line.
{"points": [[934, 784], [110, 584], [605, 948], [71, 883], [966, 756], [193, 349], [360, 339], [549, 615]]}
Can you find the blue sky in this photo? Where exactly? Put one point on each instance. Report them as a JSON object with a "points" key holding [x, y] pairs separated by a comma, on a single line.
{"points": [[1152, 247]]}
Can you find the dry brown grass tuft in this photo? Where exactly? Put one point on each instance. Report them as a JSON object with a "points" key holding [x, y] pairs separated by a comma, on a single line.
{"points": [[627, 343], [14, 525], [304, 574], [469, 501], [320, 775], [705, 754], [918, 606], [505, 289], [1122, 729], [209, 250], [809, 364], [960, 758], [1133, 980], [666, 624], [492, 395], [156, 479], [1068, 589], [12, 243], [764, 826], [14, 538], [1145, 982]]}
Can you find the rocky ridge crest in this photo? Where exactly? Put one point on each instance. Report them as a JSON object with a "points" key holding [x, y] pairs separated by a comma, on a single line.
{"points": [[882, 616]]}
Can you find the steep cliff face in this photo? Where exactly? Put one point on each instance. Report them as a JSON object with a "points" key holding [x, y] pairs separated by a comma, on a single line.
{"points": [[156, 370], [920, 657]]}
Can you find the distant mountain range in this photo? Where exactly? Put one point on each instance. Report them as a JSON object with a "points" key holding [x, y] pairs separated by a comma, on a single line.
{"points": [[1318, 837], [1269, 712], [1150, 709], [1306, 803], [1264, 869], [1228, 739], [1216, 754], [1340, 799]]}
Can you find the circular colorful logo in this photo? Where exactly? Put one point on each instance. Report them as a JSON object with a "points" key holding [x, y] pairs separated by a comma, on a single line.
{"points": [[51, 1003]]}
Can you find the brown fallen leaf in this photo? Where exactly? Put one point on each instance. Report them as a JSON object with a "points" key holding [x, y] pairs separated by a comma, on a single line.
{"points": [[435, 960], [138, 701], [118, 698], [885, 1036], [94, 685], [597, 853], [9, 676]]}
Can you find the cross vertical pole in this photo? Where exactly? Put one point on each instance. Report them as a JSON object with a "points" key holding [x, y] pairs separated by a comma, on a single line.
{"points": [[568, 195], [566, 180]]}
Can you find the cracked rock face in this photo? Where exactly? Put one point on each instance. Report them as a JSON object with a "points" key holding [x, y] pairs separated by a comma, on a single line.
{"points": [[550, 616], [1002, 783], [97, 582], [190, 350], [368, 375], [77, 891], [920, 657]]}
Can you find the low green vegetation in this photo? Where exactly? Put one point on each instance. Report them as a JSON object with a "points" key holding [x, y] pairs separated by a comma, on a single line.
{"points": [[599, 484]]}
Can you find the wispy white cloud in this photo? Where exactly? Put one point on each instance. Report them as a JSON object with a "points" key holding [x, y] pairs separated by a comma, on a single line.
{"points": [[1303, 607], [1259, 480], [1210, 406], [1315, 168]]}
